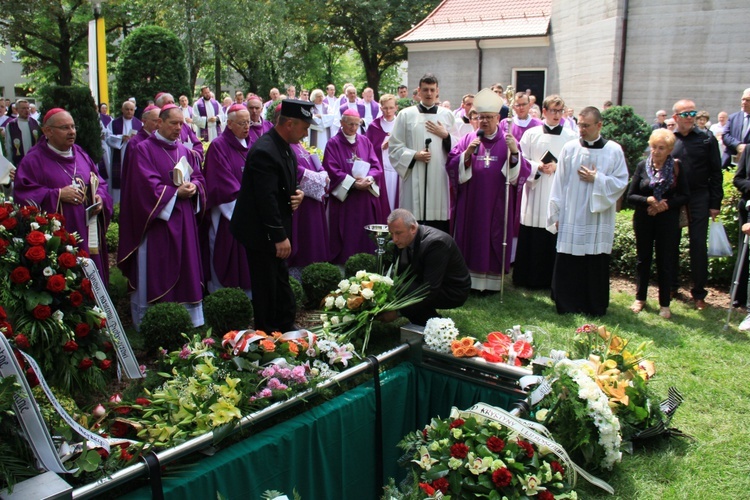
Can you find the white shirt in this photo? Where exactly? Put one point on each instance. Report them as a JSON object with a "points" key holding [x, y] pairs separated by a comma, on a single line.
{"points": [[585, 211]]}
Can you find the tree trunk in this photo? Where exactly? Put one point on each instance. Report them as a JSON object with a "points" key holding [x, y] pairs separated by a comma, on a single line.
{"points": [[217, 72], [372, 73]]}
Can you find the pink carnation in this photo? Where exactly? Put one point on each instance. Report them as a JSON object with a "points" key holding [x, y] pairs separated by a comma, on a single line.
{"points": [[265, 393], [268, 371], [274, 383]]}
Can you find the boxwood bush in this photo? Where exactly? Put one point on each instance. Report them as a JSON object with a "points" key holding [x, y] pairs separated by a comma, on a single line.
{"points": [[227, 309], [163, 325], [318, 280], [361, 262], [299, 292]]}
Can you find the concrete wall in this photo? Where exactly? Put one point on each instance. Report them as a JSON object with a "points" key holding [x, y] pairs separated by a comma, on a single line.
{"points": [[10, 74], [582, 51], [695, 50]]}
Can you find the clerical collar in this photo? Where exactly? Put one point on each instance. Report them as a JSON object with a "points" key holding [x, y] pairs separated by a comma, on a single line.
{"points": [[489, 137], [597, 144], [258, 124], [163, 139], [432, 110], [556, 130], [242, 141], [351, 138], [520, 122], [66, 154]]}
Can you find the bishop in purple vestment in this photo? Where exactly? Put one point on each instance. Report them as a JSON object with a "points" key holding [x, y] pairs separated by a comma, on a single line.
{"points": [[187, 135], [57, 176], [479, 218], [225, 263], [258, 125], [159, 248], [309, 221], [361, 205], [379, 132]]}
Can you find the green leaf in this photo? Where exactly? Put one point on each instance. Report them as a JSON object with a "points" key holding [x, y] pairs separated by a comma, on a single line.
{"points": [[34, 299]]}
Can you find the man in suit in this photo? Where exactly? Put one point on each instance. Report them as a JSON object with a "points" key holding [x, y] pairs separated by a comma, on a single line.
{"points": [[262, 218], [435, 260], [736, 131]]}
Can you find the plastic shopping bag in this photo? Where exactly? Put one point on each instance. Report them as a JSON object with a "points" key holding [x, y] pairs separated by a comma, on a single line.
{"points": [[718, 243]]}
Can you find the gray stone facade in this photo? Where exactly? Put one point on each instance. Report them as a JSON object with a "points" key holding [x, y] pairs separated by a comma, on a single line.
{"points": [[673, 49]]}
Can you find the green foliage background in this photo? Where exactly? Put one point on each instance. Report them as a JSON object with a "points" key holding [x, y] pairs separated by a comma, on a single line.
{"points": [[152, 60], [80, 104]]}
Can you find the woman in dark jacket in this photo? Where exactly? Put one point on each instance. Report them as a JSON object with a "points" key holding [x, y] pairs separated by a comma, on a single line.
{"points": [[657, 191]]}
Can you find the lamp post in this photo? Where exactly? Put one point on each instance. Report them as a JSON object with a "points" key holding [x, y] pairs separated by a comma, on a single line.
{"points": [[102, 82]]}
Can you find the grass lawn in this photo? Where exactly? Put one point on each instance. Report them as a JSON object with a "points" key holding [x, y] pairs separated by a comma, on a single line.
{"points": [[693, 352]]}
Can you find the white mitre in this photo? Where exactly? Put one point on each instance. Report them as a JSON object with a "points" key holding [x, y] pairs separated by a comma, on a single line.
{"points": [[486, 101]]}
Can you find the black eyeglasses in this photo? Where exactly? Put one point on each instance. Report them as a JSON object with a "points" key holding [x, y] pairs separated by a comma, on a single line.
{"points": [[686, 114]]}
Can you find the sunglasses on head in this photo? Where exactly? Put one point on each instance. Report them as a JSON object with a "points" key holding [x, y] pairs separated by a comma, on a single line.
{"points": [[686, 114]]}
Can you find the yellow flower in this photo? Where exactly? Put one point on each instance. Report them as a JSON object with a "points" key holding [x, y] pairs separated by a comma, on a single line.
{"points": [[223, 412]]}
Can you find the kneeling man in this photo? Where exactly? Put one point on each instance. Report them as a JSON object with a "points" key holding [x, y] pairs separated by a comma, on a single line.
{"points": [[435, 260]]}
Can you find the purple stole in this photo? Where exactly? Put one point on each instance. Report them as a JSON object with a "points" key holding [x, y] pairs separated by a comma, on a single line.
{"points": [[202, 112], [17, 151], [135, 124], [374, 108]]}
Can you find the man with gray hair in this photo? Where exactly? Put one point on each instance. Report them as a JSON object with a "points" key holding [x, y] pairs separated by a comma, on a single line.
{"points": [[661, 116], [435, 260], [187, 135], [20, 133], [119, 132]]}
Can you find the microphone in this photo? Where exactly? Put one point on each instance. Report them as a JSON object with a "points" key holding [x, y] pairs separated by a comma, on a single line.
{"points": [[480, 134], [427, 143]]}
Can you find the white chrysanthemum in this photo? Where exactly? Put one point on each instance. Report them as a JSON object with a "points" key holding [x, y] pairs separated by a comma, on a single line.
{"points": [[439, 333]]}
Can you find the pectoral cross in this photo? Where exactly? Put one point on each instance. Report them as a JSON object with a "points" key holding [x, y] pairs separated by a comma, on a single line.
{"points": [[487, 158]]}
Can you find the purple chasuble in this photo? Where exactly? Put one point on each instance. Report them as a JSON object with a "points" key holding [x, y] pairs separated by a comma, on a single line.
{"points": [[377, 136], [191, 141], [173, 254], [138, 138], [518, 132], [202, 112], [225, 162], [16, 141], [480, 203], [309, 222], [256, 131], [41, 176], [347, 219]]}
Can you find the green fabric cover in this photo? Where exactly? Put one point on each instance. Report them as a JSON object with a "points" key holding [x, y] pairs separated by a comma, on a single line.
{"points": [[328, 451]]}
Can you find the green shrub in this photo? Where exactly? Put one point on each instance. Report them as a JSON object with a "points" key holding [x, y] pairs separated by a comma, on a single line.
{"points": [[113, 236], [118, 285], [622, 125], [227, 309], [318, 280], [80, 104], [361, 262], [151, 60], [163, 325], [299, 292], [116, 213]]}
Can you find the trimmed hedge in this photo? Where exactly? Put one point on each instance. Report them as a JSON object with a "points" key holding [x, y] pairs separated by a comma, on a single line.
{"points": [[227, 309], [318, 280], [163, 325]]}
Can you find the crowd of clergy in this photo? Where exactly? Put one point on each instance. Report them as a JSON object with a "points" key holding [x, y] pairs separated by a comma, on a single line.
{"points": [[514, 183]]}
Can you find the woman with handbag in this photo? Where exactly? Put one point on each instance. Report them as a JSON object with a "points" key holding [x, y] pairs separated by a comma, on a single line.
{"points": [[657, 190]]}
